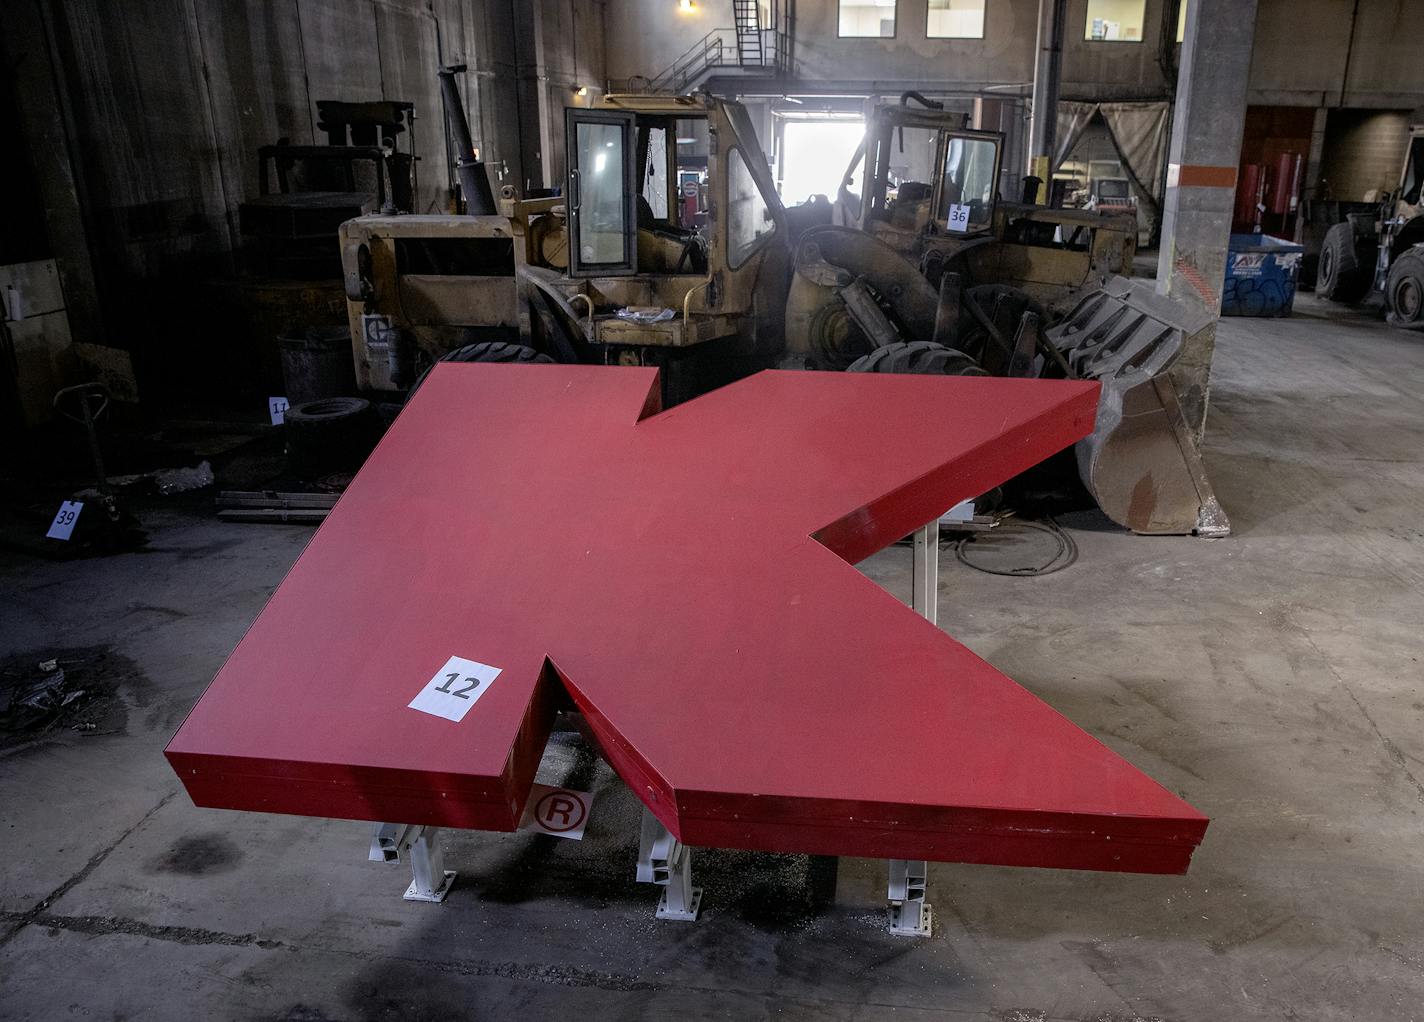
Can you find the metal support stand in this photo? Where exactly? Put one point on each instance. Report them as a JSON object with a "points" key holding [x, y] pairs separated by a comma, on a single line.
{"points": [[430, 880], [910, 914], [924, 575], [664, 860]]}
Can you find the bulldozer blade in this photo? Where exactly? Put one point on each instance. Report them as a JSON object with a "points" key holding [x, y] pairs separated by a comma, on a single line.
{"points": [[1140, 463]]}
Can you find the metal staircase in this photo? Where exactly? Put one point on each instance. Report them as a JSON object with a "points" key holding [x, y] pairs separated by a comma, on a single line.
{"points": [[748, 47], [746, 18]]}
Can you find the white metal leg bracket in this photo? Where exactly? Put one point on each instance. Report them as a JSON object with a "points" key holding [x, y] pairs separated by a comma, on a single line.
{"points": [[924, 572], [430, 880], [666, 861], [910, 914]]}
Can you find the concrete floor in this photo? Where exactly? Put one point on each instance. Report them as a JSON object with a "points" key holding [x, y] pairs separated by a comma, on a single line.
{"points": [[1273, 679]]}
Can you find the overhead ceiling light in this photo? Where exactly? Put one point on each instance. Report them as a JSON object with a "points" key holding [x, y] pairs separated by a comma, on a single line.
{"points": [[687, 6], [686, 141], [580, 90]]}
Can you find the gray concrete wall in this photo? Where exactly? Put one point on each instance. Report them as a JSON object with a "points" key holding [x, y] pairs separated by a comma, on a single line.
{"points": [[1305, 52], [149, 116], [1364, 153], [1308, 53]]}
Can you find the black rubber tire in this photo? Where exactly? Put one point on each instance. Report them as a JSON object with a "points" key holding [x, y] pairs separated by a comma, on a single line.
{"points": [[1404, 291], [486, 351], [495, 351], [923, 357], [1340, 276], [330, 434]]}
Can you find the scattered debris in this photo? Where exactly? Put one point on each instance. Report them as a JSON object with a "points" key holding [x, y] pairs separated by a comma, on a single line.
{"points": [[180, 480], [70, 691], [30, 700]]}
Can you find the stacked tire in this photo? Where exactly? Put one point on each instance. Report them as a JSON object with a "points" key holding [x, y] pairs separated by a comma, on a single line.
{"points": [[330, 434]]}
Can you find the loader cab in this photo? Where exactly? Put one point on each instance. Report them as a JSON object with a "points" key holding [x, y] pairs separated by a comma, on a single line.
{"points": [[669, 247], [924, 174], [666, 186]]}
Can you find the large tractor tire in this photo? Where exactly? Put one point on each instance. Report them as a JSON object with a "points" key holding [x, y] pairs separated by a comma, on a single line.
{"points": [[923, 357], [1342, 276], [485, 351], [329, 435], [1404, 290]]}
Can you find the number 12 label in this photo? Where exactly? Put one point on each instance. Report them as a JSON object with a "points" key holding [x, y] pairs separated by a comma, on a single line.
{"points": [[455, 688], [959, 218]]}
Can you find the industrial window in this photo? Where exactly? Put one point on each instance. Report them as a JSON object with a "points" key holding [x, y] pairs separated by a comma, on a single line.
{"points": [[874, 19], [970, 168], [748, 216], [1182, 22], [600, 193], [955, 19], [1115, 21]]}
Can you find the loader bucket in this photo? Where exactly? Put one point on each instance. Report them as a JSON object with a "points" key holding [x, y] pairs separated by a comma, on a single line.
{"points": [[1140, 463]]}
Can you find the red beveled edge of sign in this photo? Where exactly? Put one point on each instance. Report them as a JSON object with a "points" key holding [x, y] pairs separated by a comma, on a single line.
{"points": [[650, 787], [342, 791], [998, 837], [387, 794], [867, 530]]}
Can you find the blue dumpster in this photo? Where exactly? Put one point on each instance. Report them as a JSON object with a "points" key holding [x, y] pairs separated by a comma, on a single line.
{"points": [[1261, 273]]}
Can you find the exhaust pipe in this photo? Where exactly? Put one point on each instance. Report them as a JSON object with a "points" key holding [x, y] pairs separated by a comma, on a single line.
{"points": [[474, 182]]}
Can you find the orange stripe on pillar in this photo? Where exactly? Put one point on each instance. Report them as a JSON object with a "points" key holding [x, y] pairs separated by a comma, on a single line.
{"points": [[1190, 175]]}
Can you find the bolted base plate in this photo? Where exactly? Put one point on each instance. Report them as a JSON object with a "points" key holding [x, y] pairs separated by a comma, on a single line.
{"points": [[437, 895], [689, 916], [901, 921]]}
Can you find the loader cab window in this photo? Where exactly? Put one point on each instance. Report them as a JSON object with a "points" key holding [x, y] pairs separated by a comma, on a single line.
{"points": [[654, 142], [601, 240], [672, 167], [602, 225], [971, 169], [905, 162], [749, 218], [671, 202], [929, 176]]}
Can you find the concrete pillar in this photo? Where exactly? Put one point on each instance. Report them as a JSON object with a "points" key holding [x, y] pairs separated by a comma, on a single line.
{"points": [[1047, 73], [1317, 153], [1005, 115], [1205, 150]]}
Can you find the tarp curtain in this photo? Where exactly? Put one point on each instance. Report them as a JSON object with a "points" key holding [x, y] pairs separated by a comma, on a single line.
{"points": [[1073, 120], [1139, 132]]}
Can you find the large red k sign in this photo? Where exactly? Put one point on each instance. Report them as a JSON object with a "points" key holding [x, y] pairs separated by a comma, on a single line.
{"points": [[528, 535]]}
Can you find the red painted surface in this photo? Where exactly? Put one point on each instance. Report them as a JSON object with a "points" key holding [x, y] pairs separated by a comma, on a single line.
{"points": [[682, 576]]}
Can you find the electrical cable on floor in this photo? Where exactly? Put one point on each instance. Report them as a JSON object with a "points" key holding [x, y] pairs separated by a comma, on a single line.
{"points": [[1064, 554]]}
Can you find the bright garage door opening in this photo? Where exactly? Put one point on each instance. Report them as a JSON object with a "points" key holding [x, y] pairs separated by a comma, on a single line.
{"points": [[817, 154]]}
